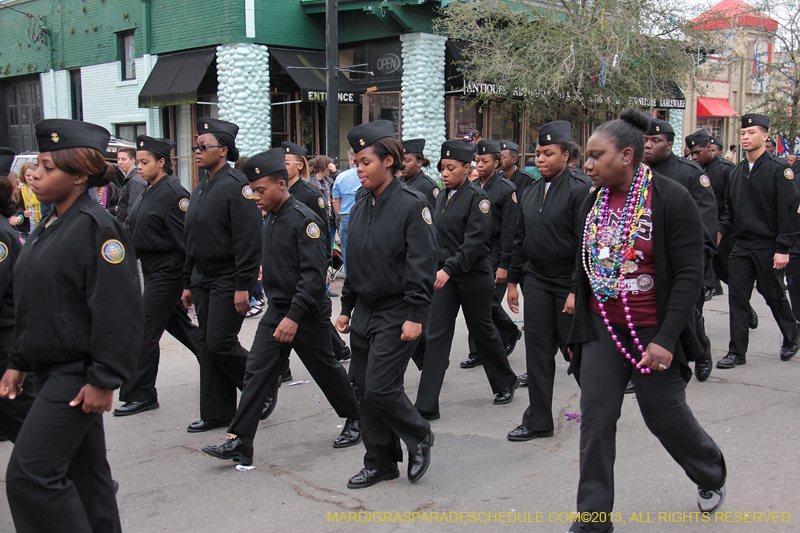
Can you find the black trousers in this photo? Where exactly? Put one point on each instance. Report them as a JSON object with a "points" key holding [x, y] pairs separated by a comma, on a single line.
{"points": [[721, 260], [745, 267], [58, 477], [699, 320], [162, 311], [13, 412], [222, 358], [377, 368], [504, 324], [473, 293], [546, 330], [312, 342], [661, 396]]}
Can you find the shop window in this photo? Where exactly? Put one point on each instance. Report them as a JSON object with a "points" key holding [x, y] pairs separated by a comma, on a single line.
{"points": [[466, 119], [712, 125], [127, 55], [505, 121], [384, 106], [129, 132], [280, 118]]}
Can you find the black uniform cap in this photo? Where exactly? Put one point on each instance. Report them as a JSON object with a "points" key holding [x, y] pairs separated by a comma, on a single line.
{"points": [[715, 142], [488, 146], [749, 121], [697, 138], [660, 127], [263, 164], [293, 149], [458, 150], [770, 140], [156, 146], [413, 146], [59, 134], [508, 145], [368, 133], [6, 160], [558, 130], [213, 125]]}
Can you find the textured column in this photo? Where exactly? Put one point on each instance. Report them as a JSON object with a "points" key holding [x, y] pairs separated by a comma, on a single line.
{"points": [[675, 119], [423, 92], [243, 92]]}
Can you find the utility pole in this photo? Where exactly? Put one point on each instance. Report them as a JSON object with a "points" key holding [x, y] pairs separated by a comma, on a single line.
{"points": [[332, 63]]}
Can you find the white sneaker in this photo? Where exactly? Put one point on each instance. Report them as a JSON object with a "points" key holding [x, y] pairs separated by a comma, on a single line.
{"points": [[709, 501]]}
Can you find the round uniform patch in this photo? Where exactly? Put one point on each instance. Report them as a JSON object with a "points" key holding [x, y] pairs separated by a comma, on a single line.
{"points": [[312, 230], [113, 251], [4, 251], [426, 215], [484, 206], [789, 174], [183, 203], [435, 192], [514, 197], [321, 203], [247, 192], [704, 181]]}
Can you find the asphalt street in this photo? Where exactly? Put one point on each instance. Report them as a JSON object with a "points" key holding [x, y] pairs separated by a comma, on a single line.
{"points": [[168, 484]]}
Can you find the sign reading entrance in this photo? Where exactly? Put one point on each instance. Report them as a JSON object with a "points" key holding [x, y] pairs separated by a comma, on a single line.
{"points": [[322, 97]]}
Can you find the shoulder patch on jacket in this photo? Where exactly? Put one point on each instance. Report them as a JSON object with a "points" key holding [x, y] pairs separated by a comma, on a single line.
{"points": [[113, 251], [788, 174], [704, 181], [183, 204], [426, 216], [312, 230], [247, 192], [484, 205], [4, 250]]}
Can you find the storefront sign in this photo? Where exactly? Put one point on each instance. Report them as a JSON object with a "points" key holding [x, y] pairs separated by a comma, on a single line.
{"points": [[388, 63], [662, 103], [322, 97], [464, 129], [484, 89]]}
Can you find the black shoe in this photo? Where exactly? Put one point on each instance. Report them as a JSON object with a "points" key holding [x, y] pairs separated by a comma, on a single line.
{"points": [[344, 355], [731, 360], [429, 416], [206, 425], [521, 433], [504, 397], [709, 501], [703, 366], [332, 294], [286, 375], [350, 435], [132, 408], [789, 351], [116, 486], [233, 449], [708, 294], [269, 407], [717, 291], [510, 345], [420, 458], [753, 324], [523, 380], [367, 478], [629, 389], [471, 362]]}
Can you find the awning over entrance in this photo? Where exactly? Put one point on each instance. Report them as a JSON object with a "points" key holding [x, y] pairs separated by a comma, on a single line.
{"points": [[310, 77], [175, 79], [715, 107]]}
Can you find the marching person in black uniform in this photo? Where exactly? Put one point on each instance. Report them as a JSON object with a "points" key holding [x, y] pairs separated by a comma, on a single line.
{"points": [[12, 412], [390, 276], [223, 249], [413, 176], [658, 154], [761, 215], [550, 220], [79, 322], [502, 194], [509, 161], [294, 262], [465, 279], [155, 225]]}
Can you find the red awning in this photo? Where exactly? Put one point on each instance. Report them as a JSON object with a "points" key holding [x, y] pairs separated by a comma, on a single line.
{"points": [[715, 107]]}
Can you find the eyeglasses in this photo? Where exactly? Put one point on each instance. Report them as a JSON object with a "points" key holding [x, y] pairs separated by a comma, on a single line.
{"points": [[204, 147]]}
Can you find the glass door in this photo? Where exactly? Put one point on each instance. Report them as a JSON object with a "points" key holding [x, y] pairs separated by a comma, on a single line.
{"points": [[384, 106]]}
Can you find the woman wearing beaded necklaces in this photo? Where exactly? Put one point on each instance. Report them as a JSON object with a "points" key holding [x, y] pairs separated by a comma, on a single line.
{"points": [[640, 266]]}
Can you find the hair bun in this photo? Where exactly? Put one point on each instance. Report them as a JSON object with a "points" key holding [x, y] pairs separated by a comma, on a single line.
{"points": [[636, 118]]}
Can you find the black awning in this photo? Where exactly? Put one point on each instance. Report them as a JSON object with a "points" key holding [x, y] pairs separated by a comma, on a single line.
{"points": [[175, 78], [311, 77]]}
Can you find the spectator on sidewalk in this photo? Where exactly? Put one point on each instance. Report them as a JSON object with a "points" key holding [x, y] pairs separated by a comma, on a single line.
{"points": [[131, 187], [345, 188]]}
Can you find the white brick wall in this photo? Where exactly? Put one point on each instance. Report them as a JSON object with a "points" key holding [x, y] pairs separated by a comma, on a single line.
{"points": [[63, 95]]}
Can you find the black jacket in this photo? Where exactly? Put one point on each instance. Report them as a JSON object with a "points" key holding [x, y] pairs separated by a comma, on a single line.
{"points": [[462, 230], [390, 251], [678, 255], [718, 170], [503, 196], [424, 184], [78, 298], [762, 205], [295, 261], [310, 195], [222, 231], [548, 231], [10, 248], [521, 180], [129, 191]]}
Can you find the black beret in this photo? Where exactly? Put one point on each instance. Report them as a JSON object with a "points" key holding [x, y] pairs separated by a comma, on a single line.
{"points": [[413, 146], [58, 134], [715, 142], [293, 149], [6, 160], [157, 146], [458, 150], [508, 145], [697, 138], [558, 130], [213, 125], [660, 127], [755, 120], [263, 164], [488, 146], [366, 134]]}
